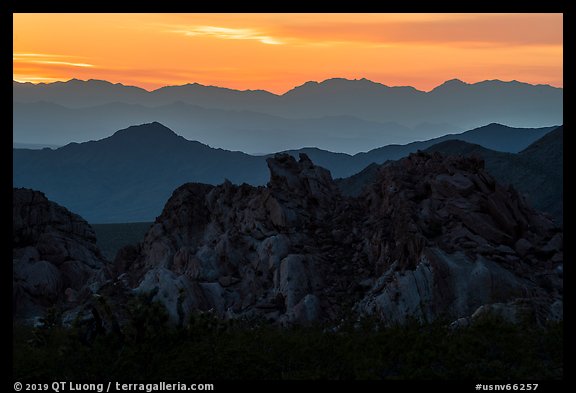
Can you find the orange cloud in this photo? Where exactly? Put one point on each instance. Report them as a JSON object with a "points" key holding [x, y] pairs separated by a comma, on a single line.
{"points": [[228, 34], [66, 63]]}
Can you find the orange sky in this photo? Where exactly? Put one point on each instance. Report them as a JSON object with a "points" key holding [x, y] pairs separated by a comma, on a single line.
{"points": [[276, 52]]}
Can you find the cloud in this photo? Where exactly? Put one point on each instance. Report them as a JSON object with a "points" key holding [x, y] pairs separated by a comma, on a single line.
{"points": [[61, 63], [386, 30], [42, 58], [228, 33]]}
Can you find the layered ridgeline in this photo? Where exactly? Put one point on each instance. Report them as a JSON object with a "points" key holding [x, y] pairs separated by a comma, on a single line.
{"points": [[433, 237], [336, 114], [129, 176]]}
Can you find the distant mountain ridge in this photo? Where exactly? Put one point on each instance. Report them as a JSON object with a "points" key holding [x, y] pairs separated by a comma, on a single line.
{"points": [[377, 114], [536, 171], [102, 91], [250, 132], [492, 136], [128, 177]]}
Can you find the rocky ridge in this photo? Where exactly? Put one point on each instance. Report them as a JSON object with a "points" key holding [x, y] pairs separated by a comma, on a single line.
{"points": [[434, 237], [447, 239]]}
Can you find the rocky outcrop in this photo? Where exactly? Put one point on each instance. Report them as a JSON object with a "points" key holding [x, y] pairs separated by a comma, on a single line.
{"points": [[434, 237], [446, 239], [54, 255], [239, 250]]}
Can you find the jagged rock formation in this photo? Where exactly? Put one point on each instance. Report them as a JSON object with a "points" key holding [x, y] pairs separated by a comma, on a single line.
{"points": [[54, 255], [239, 250], [446, 239], [434, 237]]}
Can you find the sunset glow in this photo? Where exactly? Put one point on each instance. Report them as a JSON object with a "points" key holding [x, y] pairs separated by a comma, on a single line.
{"points": [[276, 52]]}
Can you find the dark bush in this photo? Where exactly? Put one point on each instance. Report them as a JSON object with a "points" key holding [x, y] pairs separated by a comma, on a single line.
{"points": [[209, 348]]}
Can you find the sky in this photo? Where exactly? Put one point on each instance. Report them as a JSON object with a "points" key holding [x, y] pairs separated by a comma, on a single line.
{"points": [[277, 52]]}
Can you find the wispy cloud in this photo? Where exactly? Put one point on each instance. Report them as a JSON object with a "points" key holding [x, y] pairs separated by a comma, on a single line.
{"points": [[43, 58], [228, 33], [66, 63], [44, 67], [455, 30]]}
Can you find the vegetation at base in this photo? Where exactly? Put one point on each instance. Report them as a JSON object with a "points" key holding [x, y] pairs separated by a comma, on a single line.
{"points": [[211, 349]]}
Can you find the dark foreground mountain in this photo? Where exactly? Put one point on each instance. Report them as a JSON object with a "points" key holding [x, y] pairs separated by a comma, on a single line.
{"points": [[536, 172], [54, 255], [434, 237], [129, 176]]}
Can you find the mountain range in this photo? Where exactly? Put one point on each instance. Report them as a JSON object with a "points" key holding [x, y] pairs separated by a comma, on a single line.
{"points": [[337, 114], [246, 131], [129, 176], [384, 207]]}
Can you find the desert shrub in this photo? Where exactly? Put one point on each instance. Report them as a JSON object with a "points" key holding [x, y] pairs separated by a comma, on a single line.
{"points": [[208, 348]]}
